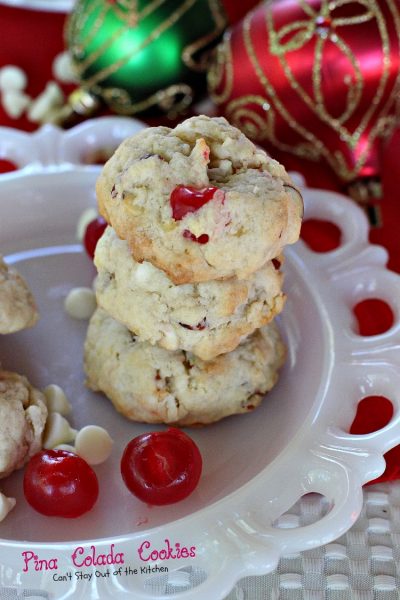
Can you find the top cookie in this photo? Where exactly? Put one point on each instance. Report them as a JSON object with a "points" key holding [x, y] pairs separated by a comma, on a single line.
{"points": [[200, 201]]}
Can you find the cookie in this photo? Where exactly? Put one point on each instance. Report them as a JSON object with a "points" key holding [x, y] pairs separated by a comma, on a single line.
{"points": [[200, 202], [149, 384], [207, 318], [17, 306], [23, 415]]}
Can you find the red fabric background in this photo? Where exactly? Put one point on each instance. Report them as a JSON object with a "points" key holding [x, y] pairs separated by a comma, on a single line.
{"points": [[32, 39]]}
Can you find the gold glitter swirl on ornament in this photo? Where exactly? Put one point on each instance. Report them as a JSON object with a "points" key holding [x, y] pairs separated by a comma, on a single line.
{"points": [[150, 8], [381, 128], [77, 22], [260, 128], [118, 33], [164, 26], [323, 26], [372, 11], [307, 8], [218, 13], [126, 4], [304, 32], [250, 121], [188, 53], [354, 91], [385, 73], [172, 100], [126, 10], [221, 65], [270, 90]]}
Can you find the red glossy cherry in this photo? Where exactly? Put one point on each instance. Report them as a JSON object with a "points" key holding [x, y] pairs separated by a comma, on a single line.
{"points": [[7, 165], [60, 484], [186, 199], [161, 467], [93, 233]]}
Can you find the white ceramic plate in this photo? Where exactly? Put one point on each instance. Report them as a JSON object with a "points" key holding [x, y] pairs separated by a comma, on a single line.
{"points": [[256, 466], [46, 5]]}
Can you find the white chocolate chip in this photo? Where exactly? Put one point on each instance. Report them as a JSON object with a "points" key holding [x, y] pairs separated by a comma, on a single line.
{"points": [[170, 339], [66, 447], [12, 78], [6, 504], [63, 68], [86, 217], [56, 400], [14, 103], [143, 272], [94, 444], [57, 431], [80, 303], [49, 99]]}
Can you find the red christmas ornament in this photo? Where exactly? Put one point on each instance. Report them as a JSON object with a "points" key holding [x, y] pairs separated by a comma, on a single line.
{"points": [[236, 10], [314, 78]]}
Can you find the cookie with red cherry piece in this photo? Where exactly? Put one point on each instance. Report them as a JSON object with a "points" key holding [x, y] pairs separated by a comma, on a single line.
{"points": [[206, 318], [150, 384], [17, 305], [200, 201]]}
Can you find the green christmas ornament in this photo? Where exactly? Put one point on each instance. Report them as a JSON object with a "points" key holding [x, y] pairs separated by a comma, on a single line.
{"points": [[141, 56]]}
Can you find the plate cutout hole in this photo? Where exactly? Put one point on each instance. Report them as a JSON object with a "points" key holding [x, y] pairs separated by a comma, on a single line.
{"points": [[321, 236], [309, 509], [374, 316], [6, 166], [373, 413], [175, 581]]}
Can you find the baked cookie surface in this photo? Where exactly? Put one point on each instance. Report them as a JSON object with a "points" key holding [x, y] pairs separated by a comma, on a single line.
{"points": [[207, 319], [200, 201], [23, 415], [17, 306], [149, 384]]}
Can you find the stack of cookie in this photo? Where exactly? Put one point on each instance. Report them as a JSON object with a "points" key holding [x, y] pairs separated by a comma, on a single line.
{"points": [[188, 274]]}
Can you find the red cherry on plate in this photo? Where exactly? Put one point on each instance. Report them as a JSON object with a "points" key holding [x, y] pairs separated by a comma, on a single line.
{"points": [[186, 199], [93, 233], [161, 467], [60, 484], [7, 165]]}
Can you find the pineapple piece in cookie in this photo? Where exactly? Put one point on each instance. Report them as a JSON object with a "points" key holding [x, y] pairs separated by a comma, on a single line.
{"points": [[17, 306]]}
